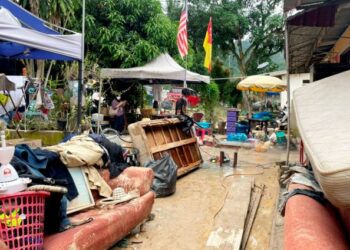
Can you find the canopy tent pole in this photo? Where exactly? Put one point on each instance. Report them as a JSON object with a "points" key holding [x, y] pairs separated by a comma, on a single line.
{"points": [[288, 88], [81, 71], [99, 107]]}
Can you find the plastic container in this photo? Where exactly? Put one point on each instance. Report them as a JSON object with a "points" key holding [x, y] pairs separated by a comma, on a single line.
{"points": [[204, 124], [281, 138], [241, 128], [237, 137], [22, 220]]}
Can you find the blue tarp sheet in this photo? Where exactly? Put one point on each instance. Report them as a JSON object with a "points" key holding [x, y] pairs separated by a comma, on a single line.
{"points": [[28, 20]]}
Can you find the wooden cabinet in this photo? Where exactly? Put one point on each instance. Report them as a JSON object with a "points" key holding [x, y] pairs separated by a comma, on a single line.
{"points": [[156, 137]]}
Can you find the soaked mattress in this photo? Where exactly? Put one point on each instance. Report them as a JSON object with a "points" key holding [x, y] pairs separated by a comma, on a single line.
{"points": [[322, 111]]}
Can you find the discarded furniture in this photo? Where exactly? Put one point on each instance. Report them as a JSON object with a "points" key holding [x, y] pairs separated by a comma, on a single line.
{"points": [[309, 224], [322, 115], [162, 116], [156, 137], [111, 223]]}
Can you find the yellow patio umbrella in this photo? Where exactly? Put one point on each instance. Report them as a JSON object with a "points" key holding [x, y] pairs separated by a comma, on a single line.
{"points": [[262, 83]]}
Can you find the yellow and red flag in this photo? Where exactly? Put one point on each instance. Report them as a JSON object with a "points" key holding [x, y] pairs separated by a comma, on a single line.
{"points": [[207, 44]]}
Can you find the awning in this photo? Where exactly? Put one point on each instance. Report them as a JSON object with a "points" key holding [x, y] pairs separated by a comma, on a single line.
{"points": [[163, 67], [312, 35], [25, 36]]}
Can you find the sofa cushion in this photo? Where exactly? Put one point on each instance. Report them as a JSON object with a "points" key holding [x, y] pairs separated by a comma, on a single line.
{"points": [[109, 225], [131, 178]]}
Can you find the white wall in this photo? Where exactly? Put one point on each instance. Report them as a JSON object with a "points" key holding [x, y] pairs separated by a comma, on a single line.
{"points": [[296, 81]]}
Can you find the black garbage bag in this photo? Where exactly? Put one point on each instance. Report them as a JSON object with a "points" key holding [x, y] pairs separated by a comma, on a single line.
{"points": [[165, 175]]}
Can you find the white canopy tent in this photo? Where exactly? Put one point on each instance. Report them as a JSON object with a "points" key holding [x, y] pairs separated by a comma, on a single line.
{"points": [[163, 67], [12, 30]]}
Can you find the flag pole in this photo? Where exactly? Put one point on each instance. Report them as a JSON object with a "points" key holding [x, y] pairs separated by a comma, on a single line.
{"points": [[185, 81]]}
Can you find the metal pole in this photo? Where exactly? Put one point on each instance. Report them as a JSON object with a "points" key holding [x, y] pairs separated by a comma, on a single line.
{"points": [[186, 6], [288, 87], [99, 107], [81, 70], [185, 82]]}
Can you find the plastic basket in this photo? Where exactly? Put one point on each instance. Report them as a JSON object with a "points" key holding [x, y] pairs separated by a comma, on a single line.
{"points": [[281, 137], [22, 220]]}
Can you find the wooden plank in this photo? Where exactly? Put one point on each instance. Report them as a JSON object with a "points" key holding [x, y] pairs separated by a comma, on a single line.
{"points": [[177, 149], [188, 147], [188, 168], [159, 122], [176, 155], [168, 146], [253, 208], [229, 223], [152, 139]]}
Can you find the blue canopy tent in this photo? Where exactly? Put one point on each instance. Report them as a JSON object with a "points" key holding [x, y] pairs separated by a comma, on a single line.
{"points": [[25, 36]]}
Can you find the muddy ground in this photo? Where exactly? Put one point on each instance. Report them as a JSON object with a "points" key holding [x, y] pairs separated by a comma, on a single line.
{"points": [[185, 219]]}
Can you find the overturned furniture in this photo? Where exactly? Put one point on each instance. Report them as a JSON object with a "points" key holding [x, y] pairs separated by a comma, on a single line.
{"points": [[155, 138], [110, 223]]}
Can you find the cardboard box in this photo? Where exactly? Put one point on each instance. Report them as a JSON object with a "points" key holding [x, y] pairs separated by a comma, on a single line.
{"points": [[33, 143]]}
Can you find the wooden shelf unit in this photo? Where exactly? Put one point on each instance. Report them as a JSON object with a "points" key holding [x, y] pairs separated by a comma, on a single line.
{"points": [[156, 137]]}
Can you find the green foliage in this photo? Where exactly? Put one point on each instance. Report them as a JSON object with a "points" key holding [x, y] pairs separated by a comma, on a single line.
{"points": [[220, 71], [127, 33], [58, 12], [250, 31], [210, 96]]}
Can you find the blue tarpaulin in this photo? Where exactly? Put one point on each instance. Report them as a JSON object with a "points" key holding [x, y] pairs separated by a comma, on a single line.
{"points": [[13, 45]]}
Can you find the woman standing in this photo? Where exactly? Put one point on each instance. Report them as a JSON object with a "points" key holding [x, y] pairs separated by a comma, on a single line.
{"points": [[117, 111]]}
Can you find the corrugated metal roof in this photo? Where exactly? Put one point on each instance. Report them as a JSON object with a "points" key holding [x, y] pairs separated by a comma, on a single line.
{"points": [[308, 45], [292, 4]]}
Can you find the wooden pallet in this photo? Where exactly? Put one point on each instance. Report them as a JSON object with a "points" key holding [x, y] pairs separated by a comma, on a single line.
{"points": [[156, 137]]}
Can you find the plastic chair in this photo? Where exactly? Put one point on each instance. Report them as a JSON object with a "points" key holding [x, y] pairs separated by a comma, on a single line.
{"points": [[201, 130], [98, 122]]}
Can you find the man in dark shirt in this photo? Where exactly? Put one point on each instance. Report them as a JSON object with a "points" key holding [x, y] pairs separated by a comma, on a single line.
{"points": [[181, 104]]}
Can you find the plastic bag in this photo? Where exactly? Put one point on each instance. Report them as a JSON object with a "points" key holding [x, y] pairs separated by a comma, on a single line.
{"points": [[237, 137], [165, 176]]}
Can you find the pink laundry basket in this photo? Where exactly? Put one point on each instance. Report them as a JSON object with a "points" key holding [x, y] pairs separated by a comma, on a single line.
{"points": [[22, 220]]}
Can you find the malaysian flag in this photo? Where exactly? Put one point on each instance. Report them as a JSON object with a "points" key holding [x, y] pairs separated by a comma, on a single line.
{"points": [[182, 43]]}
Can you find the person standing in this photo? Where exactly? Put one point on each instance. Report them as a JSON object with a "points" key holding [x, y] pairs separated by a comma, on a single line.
{"points": [[117, 111], [181, 103]]}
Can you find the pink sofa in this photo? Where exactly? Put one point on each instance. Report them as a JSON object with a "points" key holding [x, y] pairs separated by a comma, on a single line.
{"points": [[109, 225], [311, 225]]}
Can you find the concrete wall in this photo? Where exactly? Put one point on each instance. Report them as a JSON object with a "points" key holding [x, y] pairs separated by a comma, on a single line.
{"points": [[296, 81]]}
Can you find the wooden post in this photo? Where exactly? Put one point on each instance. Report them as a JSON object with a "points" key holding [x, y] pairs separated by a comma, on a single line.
{"points": [[235, 156], [221, 159]]}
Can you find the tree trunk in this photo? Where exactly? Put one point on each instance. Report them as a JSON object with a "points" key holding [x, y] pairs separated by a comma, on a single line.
{"points": [[246, 103]]}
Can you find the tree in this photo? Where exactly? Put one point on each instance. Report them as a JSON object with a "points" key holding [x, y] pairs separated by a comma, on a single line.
{"points": [[58, 12], [249, 30], [127, 33], [210, 95]]}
